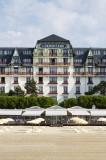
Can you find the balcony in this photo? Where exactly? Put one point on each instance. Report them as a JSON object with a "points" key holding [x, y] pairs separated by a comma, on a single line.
{"points": [[52, 92], [16, 82], [102, 63], [40, 92], [77, 82], [53, 73], [65, 93], [51, 82], [16, 73], [77, 92], [89, 73], [77, 63], [53, 54], [90, 82], [40, 82], [65, 82], [53, 64]]}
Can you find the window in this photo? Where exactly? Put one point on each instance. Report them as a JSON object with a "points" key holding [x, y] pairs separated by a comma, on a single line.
{"points": [[40, 80], [15, 70], [65, 89], [54, 97], [102, 79], [53, 70], [16, 60], [65, 79], [90, 80], [4, 60], [40, 89], [90, 61], [96, 52], [27, 52], [65, 60], [28, 79], [2, 70], [77, 70], [2, 79], [53, 79], [89, 88], [102, 70], [65, 52], [2, 88], [15, 79], [90, 70], [77, 79], [77, 89], [28, 69], [78, 61], [53, 89], [26, 61], [1, 52], [40, 60], [65, 70], [65, 97]]}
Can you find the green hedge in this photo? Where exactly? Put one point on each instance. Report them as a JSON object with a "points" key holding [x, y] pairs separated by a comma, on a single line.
{"points": [[12, 102]]}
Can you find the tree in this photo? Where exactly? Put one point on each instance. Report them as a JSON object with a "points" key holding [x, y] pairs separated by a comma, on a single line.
{"points": [[11, 93], [68, 103], [19, 91], [31, 87], [85, 101], [46, 102], [100, 88]]}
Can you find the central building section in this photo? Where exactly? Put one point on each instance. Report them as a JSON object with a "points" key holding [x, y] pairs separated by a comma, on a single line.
{"points": [[53, 67]]}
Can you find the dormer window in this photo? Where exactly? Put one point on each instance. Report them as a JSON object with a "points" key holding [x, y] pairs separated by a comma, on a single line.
{"points": [[96, 52], [79, 52], [105, 52], [27, 52], [7, 52], [1, 52]]}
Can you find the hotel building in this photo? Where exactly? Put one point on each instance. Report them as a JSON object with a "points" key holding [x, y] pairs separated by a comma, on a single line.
{"points": [[60, 70]]}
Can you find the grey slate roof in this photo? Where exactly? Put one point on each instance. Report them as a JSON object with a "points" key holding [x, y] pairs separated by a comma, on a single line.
{"points": [[53, 38]]}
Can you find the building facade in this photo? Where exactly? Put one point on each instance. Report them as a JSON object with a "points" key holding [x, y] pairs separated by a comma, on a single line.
{"points": [[60, 70]]}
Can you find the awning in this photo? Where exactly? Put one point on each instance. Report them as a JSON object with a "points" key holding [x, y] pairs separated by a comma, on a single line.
{"points": [[56, 112], [10, 112], [79, 112], [98, 112], [33, 113]]}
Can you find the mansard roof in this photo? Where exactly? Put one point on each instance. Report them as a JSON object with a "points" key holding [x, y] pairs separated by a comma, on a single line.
{"points": [[53, 38], [85, 53], [16, 51]]}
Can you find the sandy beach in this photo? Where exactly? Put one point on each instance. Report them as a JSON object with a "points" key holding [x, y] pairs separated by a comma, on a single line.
{"points": [[53, 143]]}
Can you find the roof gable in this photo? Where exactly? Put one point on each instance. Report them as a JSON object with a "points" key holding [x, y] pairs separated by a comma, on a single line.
{"points": [[53, 38]]}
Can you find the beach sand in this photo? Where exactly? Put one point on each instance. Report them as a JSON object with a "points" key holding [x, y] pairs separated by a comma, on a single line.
{"points": [[53, 143]]}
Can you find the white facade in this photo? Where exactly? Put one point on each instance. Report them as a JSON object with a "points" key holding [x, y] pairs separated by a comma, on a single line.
{"points": [[60, 71]]}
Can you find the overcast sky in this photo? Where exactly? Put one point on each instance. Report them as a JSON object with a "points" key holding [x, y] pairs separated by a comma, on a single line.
{"points": [[23, 22]]}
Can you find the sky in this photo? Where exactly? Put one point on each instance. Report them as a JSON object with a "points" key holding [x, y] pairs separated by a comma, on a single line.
{"points": [[23, 22]]}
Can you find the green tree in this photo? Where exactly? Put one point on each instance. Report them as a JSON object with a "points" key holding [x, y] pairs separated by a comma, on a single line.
{"points": [[11, 93], [19, 91], [85, 101], [100, 88], [69, 103], [46, 102], [31, 87]]}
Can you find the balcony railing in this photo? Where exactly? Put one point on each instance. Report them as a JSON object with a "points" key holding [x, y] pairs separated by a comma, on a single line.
{"points": [[53, 54], [40, 92], [89, 73], [78, 63], [77, 92], [55, 63], [90, 82], [18, 73], [65, 82], [53, 73], [102, 63], [77, 82], [65, 93], [52, 92], [51, 82], [40, 82]]}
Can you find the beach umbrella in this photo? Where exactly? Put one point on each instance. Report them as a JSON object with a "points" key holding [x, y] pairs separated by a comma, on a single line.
{"points": [[77, 120], [10, 119], [4, 121], [101, 119], [40, 119]]}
